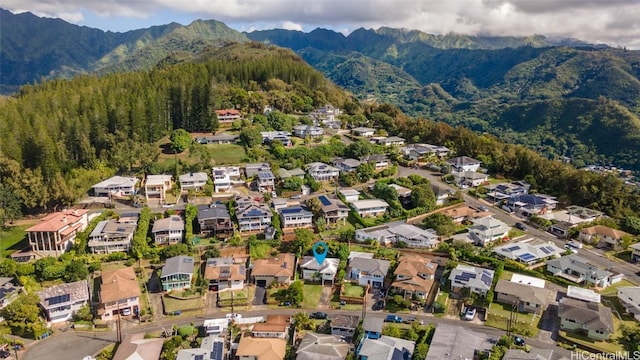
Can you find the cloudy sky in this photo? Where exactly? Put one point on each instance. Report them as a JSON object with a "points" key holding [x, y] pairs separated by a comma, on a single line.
{"points": [[614, 22]]}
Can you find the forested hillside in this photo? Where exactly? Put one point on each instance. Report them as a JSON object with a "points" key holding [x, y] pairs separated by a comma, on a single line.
{"points": [[69, 134]]}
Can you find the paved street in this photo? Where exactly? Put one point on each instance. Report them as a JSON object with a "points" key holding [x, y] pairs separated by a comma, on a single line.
{"points": [[75, 345]]}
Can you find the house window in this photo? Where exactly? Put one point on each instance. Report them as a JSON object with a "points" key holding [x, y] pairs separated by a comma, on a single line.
{"points": [[600, 332]]}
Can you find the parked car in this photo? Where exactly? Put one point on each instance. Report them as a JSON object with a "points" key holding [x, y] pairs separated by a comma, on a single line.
{"points": [[571, 248], [470, 314], [518, 341], [126, 312], [318, 315], [483, 208], [4, 354], [409, 320], [379, 305], [521, 226], [393, 319], [575, 244]]}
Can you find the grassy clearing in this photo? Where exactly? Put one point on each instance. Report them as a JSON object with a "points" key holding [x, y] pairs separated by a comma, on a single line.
{"points": [[604, 346], [13, 239], [525, 324], [613, 289], [352, 290], [312, 294], [227, 153], [260, 250], [171, 305]]}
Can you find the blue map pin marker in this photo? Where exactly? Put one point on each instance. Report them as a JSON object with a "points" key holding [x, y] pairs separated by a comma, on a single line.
{"points": [[320, 256]]}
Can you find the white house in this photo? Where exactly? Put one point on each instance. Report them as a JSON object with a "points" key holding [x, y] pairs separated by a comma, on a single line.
{"points": [[346, 165], [314, 271], [296, 217], [168, 231], [252, 215], [116, 186], [476, 279], [529, 251], [266, 181], [156, 186], [195, 181], [397, 232], [630, 298], [578, 269], [221, 180], [350, 195], [368, 271], [60, 302], [363, 131], [322, 172], [464, 163], [177, 273], [370, 207], [303, 131], [111, 236], [488, 229]]}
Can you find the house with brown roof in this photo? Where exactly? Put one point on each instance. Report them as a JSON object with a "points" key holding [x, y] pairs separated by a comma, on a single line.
{"points": [[275, 326], [255, 348], [60, 302], [228, 116], [119, 293], [56, 232], [602, 235], [464, 213], [582, 316], [224, 274], [279, 269], [415, 275], [136, 347], [527, 298]]}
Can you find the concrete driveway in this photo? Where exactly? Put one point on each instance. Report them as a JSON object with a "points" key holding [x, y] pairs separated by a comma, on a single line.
{"points": [[69, 345]]}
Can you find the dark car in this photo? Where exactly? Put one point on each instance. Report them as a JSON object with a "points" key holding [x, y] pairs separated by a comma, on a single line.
{"points": [[521, 226], [379, 305], [318, 315], [518, 340], [4, 354]]}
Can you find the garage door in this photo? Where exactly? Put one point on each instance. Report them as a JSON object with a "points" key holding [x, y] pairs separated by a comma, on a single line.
{"points": [[261, 283]]}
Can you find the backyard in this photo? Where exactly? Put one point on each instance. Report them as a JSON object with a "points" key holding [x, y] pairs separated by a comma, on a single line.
{"points": [[11, 238], [524, 323], [227, 153]]}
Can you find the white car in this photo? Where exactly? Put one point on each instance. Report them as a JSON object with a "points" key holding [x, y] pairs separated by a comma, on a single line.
{"points": [[470, 314]]}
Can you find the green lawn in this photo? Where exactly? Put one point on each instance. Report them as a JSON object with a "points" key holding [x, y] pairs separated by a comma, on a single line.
{"points": [[352, 290], [260, 250], [525, 324], [312, 295], [610, 347], [11, 239], [227, 153], [172, 305], [613, 289]]}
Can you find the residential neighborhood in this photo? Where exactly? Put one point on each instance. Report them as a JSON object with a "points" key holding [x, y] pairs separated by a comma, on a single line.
{"points": [[410, 250]]}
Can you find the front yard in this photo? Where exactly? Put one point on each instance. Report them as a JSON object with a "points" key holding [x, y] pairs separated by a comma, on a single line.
{"points": [[241, 298], [312, 294], [524, 324], [351, 290], [172, 305]]}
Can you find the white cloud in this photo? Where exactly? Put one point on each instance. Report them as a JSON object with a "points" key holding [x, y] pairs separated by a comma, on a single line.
{"points": [[289, 25], [610, 21]]}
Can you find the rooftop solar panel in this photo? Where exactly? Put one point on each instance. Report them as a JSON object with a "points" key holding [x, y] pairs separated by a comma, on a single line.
{"points": [[60, 299], [291, 210], [216, 354], [324, 200], [526, 256], [514, 248], [486, 279], [545, 250]]}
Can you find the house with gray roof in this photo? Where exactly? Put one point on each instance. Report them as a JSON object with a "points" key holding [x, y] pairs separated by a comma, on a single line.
{"points": [[464, 163], [527, 298], [629, 296], [211, 348], [315, 346], [296, 172], [115, 186], [578, 269], [594, 319], [303, 131], [635, 251], [252, 215], [177, 273], [297, 216], [368, 271], [372, 327], [333, 209], [112, 236], [476, 279], [60, 302], [457, 342], [314, 271], [529, 251], [322, 172], [346, 165], [344, 325], [9, 291], [168, 231], [193, 181], [385, 348], [223, 138], [214, 219]]}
